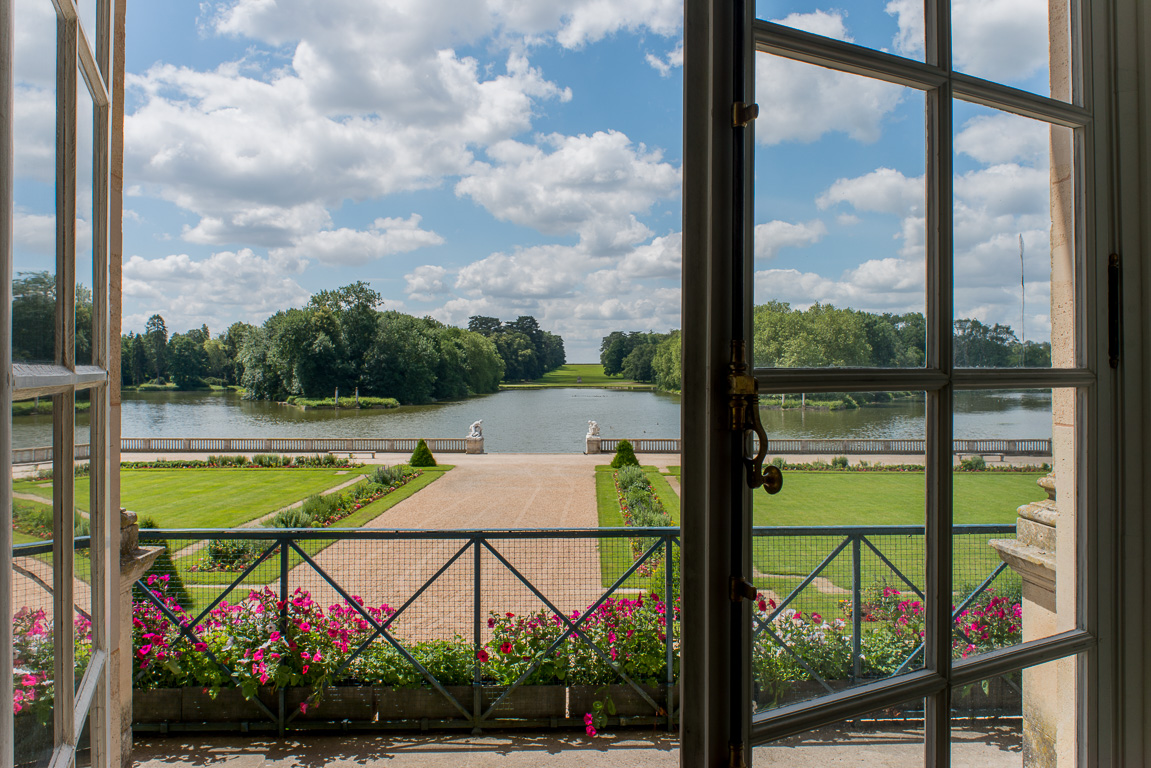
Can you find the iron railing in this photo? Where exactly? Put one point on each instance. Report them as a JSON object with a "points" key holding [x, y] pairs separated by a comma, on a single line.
{"points": [[853, 447], [446, 584]]}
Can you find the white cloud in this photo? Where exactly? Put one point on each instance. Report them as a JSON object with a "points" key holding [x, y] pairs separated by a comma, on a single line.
{"points": [[884, 190], [425, 282], [802, 102], [663, 257], [592, 186], [218, 290], [878, 285], [772, 237], [540, 272], [997, 39], [1004, 138], [253, 156], [352, 247], [665, 64]]}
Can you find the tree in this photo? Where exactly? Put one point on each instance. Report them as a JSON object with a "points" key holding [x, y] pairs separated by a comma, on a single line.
{"points": [[624, 455], [485, 326], [612, 351], [233, 339], [637, 364], [187, 360], [156, 343], [667, 365], [402, 360], [422, 456], [34, 317]]}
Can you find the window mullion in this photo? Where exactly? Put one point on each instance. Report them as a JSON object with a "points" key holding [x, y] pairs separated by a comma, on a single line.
{"points": [[939, 282], [64, 405]]}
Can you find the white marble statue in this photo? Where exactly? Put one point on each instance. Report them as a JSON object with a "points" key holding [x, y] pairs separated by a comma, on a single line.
{"points": [[477, 429], [592, 429]]}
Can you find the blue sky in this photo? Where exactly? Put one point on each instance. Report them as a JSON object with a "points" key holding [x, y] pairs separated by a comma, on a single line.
{"points": [[505, 158]]}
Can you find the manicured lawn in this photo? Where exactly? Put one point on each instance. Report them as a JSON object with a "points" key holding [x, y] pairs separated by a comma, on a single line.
{"points": [[208, 498], [859, 499], [582, 375]]}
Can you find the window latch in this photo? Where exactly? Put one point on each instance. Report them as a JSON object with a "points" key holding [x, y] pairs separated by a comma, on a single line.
{"points": [[743, 390], [742, 114]]}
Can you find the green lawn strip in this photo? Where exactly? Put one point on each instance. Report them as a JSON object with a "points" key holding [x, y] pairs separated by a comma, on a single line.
{"points": [[212, 498], [673, 471], [589, 375], [615, 555], [897, 499], [267, 574], [667, 497]]}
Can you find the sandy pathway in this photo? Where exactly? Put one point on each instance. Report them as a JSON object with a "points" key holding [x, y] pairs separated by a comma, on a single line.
{"points": [[492, 492]]}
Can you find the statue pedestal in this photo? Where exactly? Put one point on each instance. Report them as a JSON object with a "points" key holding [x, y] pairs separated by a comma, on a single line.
{"points": [[473, 445], [593, 444], [135, 561], [1032, 554]]}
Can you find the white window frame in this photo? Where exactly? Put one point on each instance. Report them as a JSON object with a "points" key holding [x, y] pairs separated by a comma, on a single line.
{"points": [[720, 42], [80, 65]]}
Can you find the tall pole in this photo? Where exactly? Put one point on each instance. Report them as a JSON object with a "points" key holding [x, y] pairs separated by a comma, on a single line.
{"points": [[1022, 309]]}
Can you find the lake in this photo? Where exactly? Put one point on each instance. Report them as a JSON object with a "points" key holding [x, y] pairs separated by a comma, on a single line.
{"points": [[536, 420]]}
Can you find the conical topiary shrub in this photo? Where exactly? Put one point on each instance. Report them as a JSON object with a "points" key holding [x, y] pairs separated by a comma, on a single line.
{"points": [[624, 456], [422, 456]]}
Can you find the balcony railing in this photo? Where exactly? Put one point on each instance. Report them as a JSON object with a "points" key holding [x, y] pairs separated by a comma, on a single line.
{"points": [[481, 628]]}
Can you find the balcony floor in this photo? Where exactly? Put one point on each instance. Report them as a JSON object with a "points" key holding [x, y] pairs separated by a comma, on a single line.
{"points": [[884, 746]]}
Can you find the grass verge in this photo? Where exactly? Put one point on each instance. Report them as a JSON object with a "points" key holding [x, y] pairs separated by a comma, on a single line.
{"points": [[579, 375]]}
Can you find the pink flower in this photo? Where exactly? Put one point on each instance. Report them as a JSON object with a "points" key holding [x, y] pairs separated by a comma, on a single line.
{"points": [[274, 636], [305, 669], [482, 655], [491, 623], [200, 647], [30, 680], [145, 650], [304, 704]]}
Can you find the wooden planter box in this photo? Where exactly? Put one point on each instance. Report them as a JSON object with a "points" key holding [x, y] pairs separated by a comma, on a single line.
{"points": [[343, 702], [420, 703], [628, 703], [363, 704]]}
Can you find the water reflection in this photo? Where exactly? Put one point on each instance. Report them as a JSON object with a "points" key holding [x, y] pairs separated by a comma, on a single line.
{"points": [[537, 421]]}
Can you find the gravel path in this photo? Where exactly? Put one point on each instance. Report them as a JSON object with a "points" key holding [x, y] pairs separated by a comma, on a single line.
{"points": [[490, 492]]}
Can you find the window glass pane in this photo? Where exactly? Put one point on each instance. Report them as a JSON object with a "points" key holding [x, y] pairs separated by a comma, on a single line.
{"points": [[82, 569], [34, 204], [839, 220], [85, 114], [887, 737], [1023, 718], [1022, 44], [1015, 513], [33, 628], [839, 554], [1014, 241], [87, 10], [895, 26]]}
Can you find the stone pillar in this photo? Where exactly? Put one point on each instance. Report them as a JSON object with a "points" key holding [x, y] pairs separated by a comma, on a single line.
{"points": [[474, 444], [593, 444], [135, 561], [1048, 706]]}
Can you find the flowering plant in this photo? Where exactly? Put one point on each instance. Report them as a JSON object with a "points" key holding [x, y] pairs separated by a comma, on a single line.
{"points": [[33, 688]]}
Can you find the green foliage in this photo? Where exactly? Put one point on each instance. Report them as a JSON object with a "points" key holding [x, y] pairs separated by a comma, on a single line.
{"points": [[527, 351], [422, 456], [974, 463], [164, 564], [624, 455], [839, 462], [269, 460], [293, 517], [385, 475]]}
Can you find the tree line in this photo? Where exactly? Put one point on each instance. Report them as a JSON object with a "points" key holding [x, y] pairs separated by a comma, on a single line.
{"points": [[342, 339], [823, 336]]}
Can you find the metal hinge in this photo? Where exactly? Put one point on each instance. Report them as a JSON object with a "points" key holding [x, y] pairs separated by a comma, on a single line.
{"points": [[1114, 304], [736, 759], [742, 114], [743, 390], [742, 589]]}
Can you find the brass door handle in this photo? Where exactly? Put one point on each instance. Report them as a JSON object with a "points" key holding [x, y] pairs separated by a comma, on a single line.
{"points": [[743, 390]]}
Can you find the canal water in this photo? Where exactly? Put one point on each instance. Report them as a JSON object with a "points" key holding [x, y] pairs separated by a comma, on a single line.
{"points": [[536, 420]]}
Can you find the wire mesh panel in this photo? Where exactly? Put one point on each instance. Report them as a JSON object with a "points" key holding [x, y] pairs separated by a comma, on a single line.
{"points": [[502, 627]]}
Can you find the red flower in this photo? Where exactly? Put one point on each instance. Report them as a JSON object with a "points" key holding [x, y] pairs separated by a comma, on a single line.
{"points": [[506, 647], [482, 655]]}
